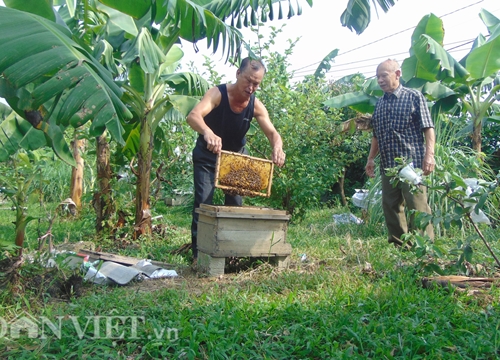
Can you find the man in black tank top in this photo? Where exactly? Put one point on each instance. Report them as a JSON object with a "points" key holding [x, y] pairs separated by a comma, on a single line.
{"points": [[222, 119]]}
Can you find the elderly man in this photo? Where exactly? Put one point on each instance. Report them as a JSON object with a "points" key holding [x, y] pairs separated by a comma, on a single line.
{"points": [[401, 122], [222, 119]]}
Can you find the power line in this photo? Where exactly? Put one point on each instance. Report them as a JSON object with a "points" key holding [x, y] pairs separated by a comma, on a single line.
{"points": [[391, 35], [461, 42], [350, 63], [337, 68]]}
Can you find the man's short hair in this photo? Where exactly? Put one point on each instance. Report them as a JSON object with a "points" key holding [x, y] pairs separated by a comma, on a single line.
{"points": [[255, 63], [394, 64]]}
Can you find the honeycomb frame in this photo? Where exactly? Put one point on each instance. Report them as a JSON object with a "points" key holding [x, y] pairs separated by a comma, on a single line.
{"points": [[229, 163]]}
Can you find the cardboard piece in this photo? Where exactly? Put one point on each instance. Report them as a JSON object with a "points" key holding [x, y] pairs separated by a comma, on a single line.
{"points": [[118, 273], [110, 272]]}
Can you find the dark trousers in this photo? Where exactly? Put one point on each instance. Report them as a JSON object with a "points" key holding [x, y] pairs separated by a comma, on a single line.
{"points": [[204, 185], [393, 201]]}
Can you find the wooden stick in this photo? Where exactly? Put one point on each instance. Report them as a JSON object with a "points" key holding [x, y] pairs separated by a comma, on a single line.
{"points": [[124, 260]]}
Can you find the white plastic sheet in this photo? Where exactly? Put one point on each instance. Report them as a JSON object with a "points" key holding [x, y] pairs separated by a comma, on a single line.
{"points": [[346, 219], [361, 198]]}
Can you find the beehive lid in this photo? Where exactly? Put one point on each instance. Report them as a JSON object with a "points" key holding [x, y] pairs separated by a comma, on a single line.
{"points": [[242, 212], [244, 175]]}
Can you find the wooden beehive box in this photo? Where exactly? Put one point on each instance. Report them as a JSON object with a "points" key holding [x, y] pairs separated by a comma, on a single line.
{"points": [[243, 174], [230, 231]]}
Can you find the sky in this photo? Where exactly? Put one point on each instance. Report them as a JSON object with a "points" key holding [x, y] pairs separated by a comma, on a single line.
{"points": [[387, 36]]}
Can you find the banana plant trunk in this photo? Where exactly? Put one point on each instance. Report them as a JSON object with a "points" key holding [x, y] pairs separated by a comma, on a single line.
{"points": [[476, 136], [103, 200], [20, 230], [21, 220], [142, 205], [476, 139], [76, 187]]}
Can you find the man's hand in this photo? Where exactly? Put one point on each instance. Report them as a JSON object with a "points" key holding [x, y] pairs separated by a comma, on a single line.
{"points": [[214, 142], [278, 156], [428, 164], [370, 168]]}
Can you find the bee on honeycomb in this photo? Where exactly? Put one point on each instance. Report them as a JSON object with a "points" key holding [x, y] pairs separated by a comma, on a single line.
{"points": [[243, 180]]}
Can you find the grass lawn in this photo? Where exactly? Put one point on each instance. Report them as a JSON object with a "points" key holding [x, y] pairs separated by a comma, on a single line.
{"points": [[354, 297]]}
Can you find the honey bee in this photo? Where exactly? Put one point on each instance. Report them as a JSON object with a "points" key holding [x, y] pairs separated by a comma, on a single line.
{"points": [[243, 180]]}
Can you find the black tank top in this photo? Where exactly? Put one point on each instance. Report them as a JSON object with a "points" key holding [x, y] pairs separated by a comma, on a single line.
{"points": [[230, 126]]}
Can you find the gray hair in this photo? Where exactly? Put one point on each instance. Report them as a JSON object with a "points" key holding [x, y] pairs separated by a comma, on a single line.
{"points": [[393, 64], [254, 63]]}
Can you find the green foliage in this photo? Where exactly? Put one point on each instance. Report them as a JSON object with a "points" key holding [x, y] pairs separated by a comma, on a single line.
{"points": [[5, 111], [53, 183], [466, 200], [15, 184], [453, 156], [307, 133], [55, 96], [173, 156], [317, 153], [16, 133]]}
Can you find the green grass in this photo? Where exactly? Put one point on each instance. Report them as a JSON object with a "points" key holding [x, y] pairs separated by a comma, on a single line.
{"points": [[354, 297]]}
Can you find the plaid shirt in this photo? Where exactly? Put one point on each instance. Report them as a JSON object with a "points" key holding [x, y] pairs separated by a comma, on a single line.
{"points": [[398, 121]]}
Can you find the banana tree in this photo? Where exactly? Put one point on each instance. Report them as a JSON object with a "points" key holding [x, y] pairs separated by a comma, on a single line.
{"points": [[471, 85], [15, 184], [76, 88], [151, 58], [54, 82], [357, 15]]}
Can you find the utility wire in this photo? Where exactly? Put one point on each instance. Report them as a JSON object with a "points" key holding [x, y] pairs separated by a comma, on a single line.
{"points": [[391, 35], [336, 68]]}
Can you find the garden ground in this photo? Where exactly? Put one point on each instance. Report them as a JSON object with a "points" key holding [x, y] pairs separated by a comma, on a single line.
{"points": [[354, 297]]}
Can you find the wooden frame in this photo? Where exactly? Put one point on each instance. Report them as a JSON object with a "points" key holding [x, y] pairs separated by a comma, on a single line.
{"points": [[227, 159]]}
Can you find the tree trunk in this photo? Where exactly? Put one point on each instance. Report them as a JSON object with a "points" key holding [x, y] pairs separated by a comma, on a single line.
{"points": [[76, 188], [477, 125], [21, 220], [20, 229], [142, 205], [103, 200]]}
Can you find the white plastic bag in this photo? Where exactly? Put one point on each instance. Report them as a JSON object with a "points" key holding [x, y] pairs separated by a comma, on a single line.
{"points": [[362, 199], [480, 217], [408, 173]]}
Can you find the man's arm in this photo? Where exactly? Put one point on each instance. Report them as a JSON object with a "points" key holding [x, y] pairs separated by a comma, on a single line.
{"points": [[195, 119], [370, 163], [430, 141], [427, 127], [262, 116]]}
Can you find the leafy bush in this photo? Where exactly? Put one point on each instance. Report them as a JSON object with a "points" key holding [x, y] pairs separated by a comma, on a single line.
{"points": [[317, 153]]}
